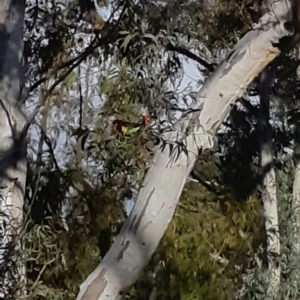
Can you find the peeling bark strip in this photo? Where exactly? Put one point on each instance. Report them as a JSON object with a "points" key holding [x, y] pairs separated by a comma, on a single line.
{"points": [[96, 288], [165, 181]]}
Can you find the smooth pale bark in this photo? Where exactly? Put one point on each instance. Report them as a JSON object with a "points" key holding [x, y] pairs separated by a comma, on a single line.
{"points": [[269, 194], [296, 202], [12, 121], [296, 188], [165, 180], [272, 231], [296, 183]]}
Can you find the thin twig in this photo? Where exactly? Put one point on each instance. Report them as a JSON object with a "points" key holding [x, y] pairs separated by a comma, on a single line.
{"points": [[41, 273]]}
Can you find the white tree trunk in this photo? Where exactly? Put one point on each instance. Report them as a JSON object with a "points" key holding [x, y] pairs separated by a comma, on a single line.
{"points": [[12, 148], [296, 183], [296, 203], [296, 189], [269, 194], [165, 180], [272, 231]]}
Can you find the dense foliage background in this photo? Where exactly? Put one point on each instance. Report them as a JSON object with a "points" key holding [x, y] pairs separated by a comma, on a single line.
{"points": [[89, 64]]}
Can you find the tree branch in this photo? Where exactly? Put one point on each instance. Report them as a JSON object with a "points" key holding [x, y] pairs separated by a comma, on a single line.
{"points": [[189, 54]]}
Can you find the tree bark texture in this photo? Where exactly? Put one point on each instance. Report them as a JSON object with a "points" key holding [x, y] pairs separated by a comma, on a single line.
{"points": [[296, 183], [12, 137], [296, 187], [165, 180]]}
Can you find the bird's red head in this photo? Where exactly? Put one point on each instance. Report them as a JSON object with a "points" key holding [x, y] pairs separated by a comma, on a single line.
{"points": [[116, 122], [118, 125], [146, 119]]}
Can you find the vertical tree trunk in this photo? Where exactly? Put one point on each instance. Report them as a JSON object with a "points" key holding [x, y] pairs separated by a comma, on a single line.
{"points": [[296, 183], [296, 187], [12, 141], [269, 182], [165, 180]]}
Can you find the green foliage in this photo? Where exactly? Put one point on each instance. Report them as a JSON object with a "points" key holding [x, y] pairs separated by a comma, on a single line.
{"points": [[231, 20], [64, 246], [256, 276], [201, 246]]}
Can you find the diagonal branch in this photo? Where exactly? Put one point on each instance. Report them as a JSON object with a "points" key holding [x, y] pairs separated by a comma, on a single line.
{"points": [[189, 54]]}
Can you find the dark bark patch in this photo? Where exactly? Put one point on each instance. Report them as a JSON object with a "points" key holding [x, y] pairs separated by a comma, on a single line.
{"points": [[123, 249], [133, 221], [208, 120], [137, 224]]}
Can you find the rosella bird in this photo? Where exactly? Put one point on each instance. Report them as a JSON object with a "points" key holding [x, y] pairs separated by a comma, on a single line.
{"points": [[129, 128]]}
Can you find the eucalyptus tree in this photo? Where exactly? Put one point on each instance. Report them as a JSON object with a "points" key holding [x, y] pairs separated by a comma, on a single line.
{"points": [[177, 152], [136, 52]]}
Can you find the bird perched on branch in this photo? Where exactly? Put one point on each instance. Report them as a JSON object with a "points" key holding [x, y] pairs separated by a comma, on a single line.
{"points": [[128, 128]]}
